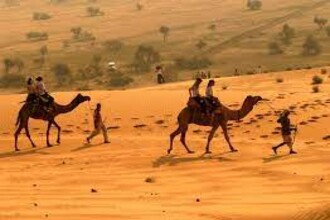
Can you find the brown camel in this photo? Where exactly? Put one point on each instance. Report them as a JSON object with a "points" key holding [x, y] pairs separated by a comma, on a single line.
{"points": [[194, 116], [29, 111]]}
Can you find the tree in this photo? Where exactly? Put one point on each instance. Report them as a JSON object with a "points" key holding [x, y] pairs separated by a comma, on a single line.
{"points": [[321, 22], [164, 30], [43, 50], [212, 27], [254, 4], [62, 73], [8, 63], [274, 48], [144, 57], [311, 46], [201, 44], [287, 34]]}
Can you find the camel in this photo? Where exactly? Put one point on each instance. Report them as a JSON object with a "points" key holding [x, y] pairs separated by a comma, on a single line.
{"points": [[29, 111], [194, 116]]}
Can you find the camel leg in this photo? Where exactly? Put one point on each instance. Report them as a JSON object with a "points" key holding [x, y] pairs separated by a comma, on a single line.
{"points": [[17, 132], [172, 136], [225, 132], [211, 135], [47, 133], [28, 135], [183, 139], [58, 132]]}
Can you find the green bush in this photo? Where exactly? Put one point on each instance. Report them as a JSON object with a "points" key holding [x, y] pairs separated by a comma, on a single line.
{"points": [[12, 80], [311, 46], [317, 80], [254, 4]]}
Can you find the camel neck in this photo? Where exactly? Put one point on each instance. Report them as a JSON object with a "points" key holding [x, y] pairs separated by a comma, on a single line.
{"points": [[62, 109]]}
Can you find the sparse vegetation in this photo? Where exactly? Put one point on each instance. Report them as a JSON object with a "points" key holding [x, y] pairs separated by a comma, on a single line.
{"points": [[94, 11], [41, 16], [192, 63], [37, 36], [139, 6], [144, 57], [212, 27], [62, 73], [275, 48], [311, 46], [320, 21], [201, 44], [12, 80], [113, 46], [254, 4], [15, 63], [287, 34], [79, 35], [317, 80], [165, 31], [119, 80]]}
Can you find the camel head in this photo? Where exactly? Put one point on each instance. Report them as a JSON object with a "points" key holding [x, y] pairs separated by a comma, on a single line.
{"points": [[252, 100], [80, 98]]}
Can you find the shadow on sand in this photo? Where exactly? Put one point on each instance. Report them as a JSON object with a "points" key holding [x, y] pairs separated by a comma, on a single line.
{"points": [[24, 152], [274, 158], [86, 146], [172, 160]]}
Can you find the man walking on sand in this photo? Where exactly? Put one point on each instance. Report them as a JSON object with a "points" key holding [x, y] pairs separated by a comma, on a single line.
{"points": [[98, 125], [286, 132]]}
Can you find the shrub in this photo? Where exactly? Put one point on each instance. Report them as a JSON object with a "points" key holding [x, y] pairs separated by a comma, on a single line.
{"points": [[78, 34], [201, 44], [144, 57], [113, 46], [94, 11], [62, 73], [279, 80], [12, 80], [311, 46], [321, 22], [324, 71], [274, 48], [316, 89], [317, 80], [139, 6], [37, 36], [120, 80], [165, 31], [254, 4], [287, 34], [193, 63], [41, 16], [212, 27]]}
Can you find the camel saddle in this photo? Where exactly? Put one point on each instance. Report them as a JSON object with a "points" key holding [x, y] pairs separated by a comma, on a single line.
{"points": [[209, 107]]}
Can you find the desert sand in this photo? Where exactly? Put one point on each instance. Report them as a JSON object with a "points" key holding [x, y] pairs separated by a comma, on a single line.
{"points": [[133, 178]]}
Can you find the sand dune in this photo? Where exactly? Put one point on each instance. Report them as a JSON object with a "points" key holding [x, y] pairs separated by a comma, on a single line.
{"points": [[133, 178]]}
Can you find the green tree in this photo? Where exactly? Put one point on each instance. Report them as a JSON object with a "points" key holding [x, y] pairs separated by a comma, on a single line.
{"points": [[287, 34], [274, 48], [144, 57], [321, 22]]}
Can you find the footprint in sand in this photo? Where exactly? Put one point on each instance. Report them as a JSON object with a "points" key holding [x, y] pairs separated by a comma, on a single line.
{"points": [[35, 129], [276, 132], [140, 126], [67, 131], [326, 138], [113, 127], [135, 118], [117, 119], [87, 131], [159, 122], [303, 123], [264, 136], [198, 131]]}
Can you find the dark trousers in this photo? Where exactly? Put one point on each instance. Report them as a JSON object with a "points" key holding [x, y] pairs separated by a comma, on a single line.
{"points": [[160, 79]]}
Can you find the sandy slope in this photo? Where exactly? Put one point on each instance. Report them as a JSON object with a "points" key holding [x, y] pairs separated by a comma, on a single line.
{"points": [[56, 183]]}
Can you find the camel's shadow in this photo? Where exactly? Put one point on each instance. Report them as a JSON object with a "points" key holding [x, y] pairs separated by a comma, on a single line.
{"points": [[172, 160], [24, 152]]}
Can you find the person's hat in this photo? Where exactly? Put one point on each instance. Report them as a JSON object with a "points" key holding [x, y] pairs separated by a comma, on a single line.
{"points": [[39, 78]]}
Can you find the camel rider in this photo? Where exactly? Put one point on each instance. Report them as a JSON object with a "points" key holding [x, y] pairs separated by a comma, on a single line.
{"points": [[42, 93], [31, 91], [98, 125], [286, 129], [194, 94], [214, 101]]}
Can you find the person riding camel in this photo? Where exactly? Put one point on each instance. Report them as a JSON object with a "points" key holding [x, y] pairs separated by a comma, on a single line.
{"points": [[31, 91], [211, 99], [43, 94], [195, 94], [98, 125], [286, 132]]}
